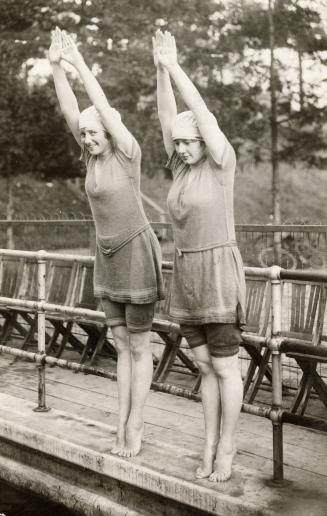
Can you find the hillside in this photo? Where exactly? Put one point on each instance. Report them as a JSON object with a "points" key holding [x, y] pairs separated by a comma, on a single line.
{"points": [[304, 196], [39, 199]]}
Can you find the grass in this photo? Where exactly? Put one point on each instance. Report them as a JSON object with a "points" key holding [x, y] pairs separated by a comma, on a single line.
{"points": [[303, 194]]}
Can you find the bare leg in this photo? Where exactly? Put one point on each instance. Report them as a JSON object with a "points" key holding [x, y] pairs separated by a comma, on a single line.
{"points": [[124, 373], [231, 396], [211, 409], [142, 372]]}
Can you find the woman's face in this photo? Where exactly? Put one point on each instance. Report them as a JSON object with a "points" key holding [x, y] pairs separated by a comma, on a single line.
{"points": [[95, 140], [191, 151]]}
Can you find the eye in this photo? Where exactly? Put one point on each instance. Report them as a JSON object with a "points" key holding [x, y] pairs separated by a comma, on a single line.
{"points": [[82, 134]]}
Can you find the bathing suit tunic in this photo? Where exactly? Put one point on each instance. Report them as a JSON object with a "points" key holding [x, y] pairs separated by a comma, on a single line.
{"points": [[128, 256], [208, 284]]}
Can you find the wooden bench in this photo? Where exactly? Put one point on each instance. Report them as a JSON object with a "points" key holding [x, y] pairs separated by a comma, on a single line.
{"points": [[96, 329], [70, 284], [304, 306], [258, 313], [304, 325], [11, 270]]}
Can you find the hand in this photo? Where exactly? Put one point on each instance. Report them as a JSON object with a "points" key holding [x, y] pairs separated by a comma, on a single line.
{"points": [[54, 53], [69, 51], [156, 42], [166, 52]]}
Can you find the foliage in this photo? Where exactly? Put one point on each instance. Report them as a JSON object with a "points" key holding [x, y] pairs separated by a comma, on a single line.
{"points": [[221, 44]]}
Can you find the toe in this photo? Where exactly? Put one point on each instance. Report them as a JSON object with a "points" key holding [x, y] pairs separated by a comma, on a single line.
{"points": [[200, 473]]}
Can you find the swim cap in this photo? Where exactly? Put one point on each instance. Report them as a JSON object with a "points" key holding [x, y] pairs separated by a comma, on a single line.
{"points": [[185, 127], [90, 116]]}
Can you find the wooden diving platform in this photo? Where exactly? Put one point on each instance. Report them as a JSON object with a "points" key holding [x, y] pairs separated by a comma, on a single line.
{"points": [[64, 454]]}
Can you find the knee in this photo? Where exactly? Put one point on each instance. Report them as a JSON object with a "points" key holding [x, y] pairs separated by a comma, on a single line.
{"points": [[121, 345], [204, 366], [226, 367], [140, 345]]}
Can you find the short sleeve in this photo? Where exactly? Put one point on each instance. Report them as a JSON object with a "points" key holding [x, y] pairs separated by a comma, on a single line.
{"points": [[228, 157], [122, 155]]}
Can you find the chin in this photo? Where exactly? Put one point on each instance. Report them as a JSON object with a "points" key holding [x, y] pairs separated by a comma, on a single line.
{"points": [[95, 152]]}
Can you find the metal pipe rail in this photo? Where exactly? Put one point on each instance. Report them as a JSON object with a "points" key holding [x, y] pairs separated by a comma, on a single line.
{"points": [[291, 345], [42, 359], [76, 258], [306, 275]]}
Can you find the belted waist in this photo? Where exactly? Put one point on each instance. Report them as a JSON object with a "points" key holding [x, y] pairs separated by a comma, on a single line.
{"points": [[228, 243], [111, 244]]}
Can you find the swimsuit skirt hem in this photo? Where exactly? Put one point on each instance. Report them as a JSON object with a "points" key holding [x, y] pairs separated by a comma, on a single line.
{"points": [[134, 298], [208, 286], [133, 273]]}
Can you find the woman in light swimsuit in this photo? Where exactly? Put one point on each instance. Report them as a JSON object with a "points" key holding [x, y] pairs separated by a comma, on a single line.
{"points": [[127, 273], [208, 287]]}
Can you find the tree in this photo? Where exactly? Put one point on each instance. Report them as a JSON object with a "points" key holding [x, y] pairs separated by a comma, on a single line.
{"points": [[223, 45]]}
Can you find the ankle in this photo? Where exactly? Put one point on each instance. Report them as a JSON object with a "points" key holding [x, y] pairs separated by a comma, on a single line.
{"points": [[135, 424], [226, 447], [209, 443]]}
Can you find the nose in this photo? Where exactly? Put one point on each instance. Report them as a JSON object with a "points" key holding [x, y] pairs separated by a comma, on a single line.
{"points": [[87, 138], [180, 147]]}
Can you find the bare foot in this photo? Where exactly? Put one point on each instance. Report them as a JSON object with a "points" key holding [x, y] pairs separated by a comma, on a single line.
{"points": [[206, 467], [223, 466], [120, 443], [134, 438]]}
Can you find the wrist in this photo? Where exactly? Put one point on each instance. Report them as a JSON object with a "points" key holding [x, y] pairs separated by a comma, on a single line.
{"points": [[162, 68], [80, 63], [172, 67], [56, 65]]}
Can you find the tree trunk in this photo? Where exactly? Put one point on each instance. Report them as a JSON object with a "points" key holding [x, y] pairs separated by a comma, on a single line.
{"points": [[273, 119], [274, 135], [301, 90], [10, 205]]}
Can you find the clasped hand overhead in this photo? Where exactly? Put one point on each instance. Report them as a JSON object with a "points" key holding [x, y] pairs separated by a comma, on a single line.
{"points": [[63, 47], [164, 49]]}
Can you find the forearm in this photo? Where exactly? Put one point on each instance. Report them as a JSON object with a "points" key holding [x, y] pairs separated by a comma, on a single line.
{"points": [[186, 88], [165, 95], [91, 85], [66, 97]]}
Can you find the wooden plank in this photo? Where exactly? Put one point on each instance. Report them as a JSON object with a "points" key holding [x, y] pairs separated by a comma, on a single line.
{"points": [[174, 421]]}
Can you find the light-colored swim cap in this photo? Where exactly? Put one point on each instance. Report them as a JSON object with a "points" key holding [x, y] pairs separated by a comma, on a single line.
{"points": [[90, 117], [185, 127]]}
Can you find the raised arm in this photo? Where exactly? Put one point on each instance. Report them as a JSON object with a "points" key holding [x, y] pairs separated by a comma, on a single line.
{"points": [[214, 138], [109, 116], [66, 97], [167, 109]]}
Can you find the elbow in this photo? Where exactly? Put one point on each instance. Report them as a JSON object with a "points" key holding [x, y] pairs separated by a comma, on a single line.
{"points": [[102, 105], [166, 118], [199, 106]]}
